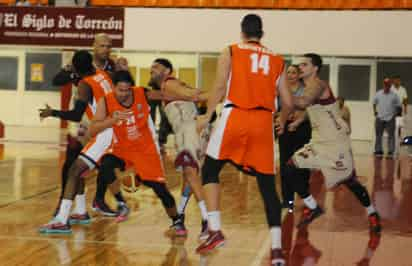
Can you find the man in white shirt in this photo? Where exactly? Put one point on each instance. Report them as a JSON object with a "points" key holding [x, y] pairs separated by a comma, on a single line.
{"points": [[403, 98]]}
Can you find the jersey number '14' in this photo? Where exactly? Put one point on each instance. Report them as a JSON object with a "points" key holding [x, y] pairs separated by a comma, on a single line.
{"points": [[260, 62]]}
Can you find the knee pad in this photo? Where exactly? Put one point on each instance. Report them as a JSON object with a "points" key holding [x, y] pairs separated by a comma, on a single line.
{"points": [[210, 170]]}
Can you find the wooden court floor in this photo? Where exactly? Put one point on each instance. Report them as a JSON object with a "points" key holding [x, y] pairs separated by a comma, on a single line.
{"points": [[30, 183]]}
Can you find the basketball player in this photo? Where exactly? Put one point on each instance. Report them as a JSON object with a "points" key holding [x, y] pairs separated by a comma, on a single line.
{"points": [[134, 140], [94, 85], [181, 114], [330, 147], [77, 137], [248, 76]]}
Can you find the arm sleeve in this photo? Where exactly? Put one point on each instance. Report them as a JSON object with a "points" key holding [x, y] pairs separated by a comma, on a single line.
{"points": [[72, 115]]}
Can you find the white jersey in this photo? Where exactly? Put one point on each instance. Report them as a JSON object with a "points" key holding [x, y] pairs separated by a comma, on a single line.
{"points": [[401, 92], [329, 150], [327, 122]]}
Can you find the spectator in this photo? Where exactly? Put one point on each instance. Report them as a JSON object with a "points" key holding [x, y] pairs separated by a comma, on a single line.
{"points": [[401, 92], [298, 134], [403, 98], [386, 106]]}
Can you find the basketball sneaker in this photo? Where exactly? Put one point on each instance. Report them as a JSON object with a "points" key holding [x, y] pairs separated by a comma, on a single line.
{"points": [[375, 223], [55, 227], [122, 212], [101, 207], [309, 215], [178, 226], [76, 218], [215, 240], [276, 257]]}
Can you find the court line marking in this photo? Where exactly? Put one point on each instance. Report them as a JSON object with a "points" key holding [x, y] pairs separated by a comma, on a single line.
{"points": [[262, 251]]}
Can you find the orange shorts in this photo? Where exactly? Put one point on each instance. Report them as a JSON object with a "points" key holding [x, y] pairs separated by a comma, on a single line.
{"points": [[246, 138], [146, 162]]}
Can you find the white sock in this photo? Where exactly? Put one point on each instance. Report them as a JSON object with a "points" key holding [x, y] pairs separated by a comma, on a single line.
{"points": [[203, 210], [370, 209], [182, 204], [80, 207], [214, 220], [64, 210], [276, 234], [310, 202]]}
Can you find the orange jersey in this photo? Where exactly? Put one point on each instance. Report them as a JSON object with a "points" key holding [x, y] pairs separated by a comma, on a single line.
{"points": [[134, 133], [254, 77], [101, 84]]}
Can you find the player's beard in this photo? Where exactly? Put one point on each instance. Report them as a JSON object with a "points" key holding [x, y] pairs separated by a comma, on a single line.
{"points": [[154, 83]]}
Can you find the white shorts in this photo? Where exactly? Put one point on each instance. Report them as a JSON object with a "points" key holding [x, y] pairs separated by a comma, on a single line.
{"points": [[335, 162], [97, 147], [182, 118]]}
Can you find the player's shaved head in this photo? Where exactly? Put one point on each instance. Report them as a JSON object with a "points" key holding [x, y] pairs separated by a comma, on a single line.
{"points": [[102, 46], [100, 37]]}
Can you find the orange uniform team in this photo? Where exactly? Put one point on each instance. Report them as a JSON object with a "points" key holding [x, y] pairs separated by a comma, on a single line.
{"points": [[249, 78], [93, 85], [134, 141]]}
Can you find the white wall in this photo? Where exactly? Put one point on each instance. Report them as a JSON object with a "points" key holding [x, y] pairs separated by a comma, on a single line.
{"points": [[340, 33], [352, 33], [18, 108]]}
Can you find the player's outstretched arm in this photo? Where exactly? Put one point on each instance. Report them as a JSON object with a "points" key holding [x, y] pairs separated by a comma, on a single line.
{"points": [[74, 114]]}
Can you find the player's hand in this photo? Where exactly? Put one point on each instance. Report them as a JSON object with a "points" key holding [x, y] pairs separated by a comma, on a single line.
{"points": [[45, 112], [201, 122], [293, 126], [121, 64], [279, 129]]}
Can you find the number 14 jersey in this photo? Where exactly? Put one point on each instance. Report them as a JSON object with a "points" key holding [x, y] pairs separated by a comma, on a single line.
{"points": [[254, 77]]}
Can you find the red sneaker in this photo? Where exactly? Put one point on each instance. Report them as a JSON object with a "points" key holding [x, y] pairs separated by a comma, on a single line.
{"points": [[309, 215], [375, 223], [215, 240], [76, 218], [102, 208], [55, 227], [276, 257]]}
